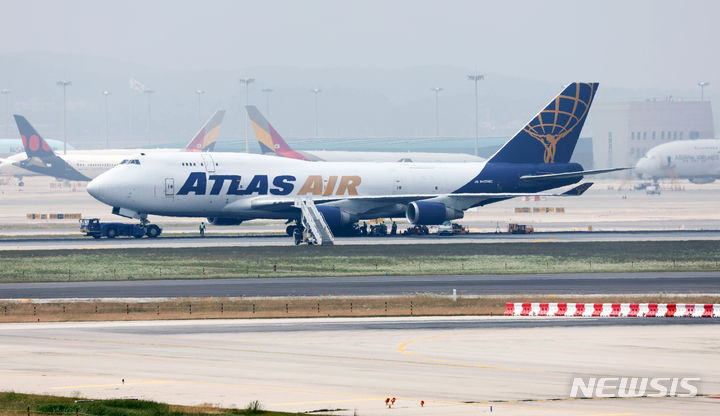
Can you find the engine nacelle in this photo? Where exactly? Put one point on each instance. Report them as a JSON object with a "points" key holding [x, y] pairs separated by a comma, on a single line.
{"points": [[701, 181], [336, 218], [224, 221], [430, 213]]}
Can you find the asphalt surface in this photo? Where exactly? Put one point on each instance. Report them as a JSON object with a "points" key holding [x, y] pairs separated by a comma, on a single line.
{"points": [[575, 283], [91, 244], [395, 324]]}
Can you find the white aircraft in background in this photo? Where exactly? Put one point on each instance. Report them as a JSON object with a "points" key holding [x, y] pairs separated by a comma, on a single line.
{"points": [[9, 147], [695, 160], [230, 188], [83, 165], [271, 143]]}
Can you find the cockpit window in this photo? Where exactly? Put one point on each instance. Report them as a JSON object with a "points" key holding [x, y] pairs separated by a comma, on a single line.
{"points": [[124, 162], [135, 162]]}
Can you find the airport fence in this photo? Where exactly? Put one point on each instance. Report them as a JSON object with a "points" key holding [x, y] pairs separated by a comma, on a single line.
{"points": [[302, 307]]}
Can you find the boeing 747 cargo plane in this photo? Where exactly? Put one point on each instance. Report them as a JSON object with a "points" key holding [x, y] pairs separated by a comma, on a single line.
{"points": [[234, 187]]}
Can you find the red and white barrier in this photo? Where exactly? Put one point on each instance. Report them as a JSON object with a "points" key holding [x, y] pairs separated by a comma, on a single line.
{"points": [[628, 310]]}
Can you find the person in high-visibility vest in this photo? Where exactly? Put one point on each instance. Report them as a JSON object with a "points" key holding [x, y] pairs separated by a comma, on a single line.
{"points": [[202, 229]]}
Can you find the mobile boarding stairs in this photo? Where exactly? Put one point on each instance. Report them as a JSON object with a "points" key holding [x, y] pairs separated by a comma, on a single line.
{"points": [[314, 222]]}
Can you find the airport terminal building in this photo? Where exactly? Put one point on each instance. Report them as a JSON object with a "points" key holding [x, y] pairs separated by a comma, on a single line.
{"points": [[624, 132]]}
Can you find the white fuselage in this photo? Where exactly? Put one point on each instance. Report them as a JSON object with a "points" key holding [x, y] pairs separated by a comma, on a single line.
{"points": [[697, 160], [163, 184]]}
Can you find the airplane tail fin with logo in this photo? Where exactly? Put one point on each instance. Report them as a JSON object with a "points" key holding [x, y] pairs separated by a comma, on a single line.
{"points": [[34, 144], [41, 159], [204, 140], [551, 136], [269, 139]]}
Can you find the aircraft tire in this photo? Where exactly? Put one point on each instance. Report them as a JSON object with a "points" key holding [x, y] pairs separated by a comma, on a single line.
{"points": [[153, 231], [111, 233]]}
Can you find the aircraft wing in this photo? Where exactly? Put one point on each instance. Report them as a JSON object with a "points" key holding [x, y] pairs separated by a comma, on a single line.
{"points": [[265, 203], [569, 174]]}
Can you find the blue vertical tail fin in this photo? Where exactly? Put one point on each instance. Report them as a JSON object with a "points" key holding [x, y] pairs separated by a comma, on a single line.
{"points": [[551, 136], [34, 144]]}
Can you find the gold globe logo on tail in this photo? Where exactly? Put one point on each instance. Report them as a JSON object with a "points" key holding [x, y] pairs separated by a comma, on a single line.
{"points": [[559, 119]]}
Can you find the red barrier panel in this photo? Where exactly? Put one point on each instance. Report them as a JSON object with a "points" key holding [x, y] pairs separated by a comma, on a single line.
{"points": [[615, 310], [634, 310], [652, 310], [689, 310], [671, 309], [544, 309], [579, 309], [562, 309], [708, 313], [509, 309], [527, 307], [597, 309]]}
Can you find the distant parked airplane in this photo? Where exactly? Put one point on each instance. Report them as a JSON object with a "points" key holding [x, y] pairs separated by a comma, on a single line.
{"points": [[695, 160], [271, 143], [83, 165]]}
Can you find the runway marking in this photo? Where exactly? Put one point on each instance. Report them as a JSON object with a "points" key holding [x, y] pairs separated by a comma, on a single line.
{"points": [[401, 349], [543, 240], [433, 361], [113, 384]]}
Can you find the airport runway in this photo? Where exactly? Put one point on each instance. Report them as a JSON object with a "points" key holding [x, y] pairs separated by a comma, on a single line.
{"points": [[456, 365], [176, 242], [571, 283]]}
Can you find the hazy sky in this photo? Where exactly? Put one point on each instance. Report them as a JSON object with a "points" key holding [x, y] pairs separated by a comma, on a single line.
{"points": [[655, 44]]}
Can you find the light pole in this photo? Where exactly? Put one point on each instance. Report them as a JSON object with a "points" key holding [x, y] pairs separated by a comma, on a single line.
{"points": [[315, 92], [107, 122], [246, 82], [437, 109], [149, 93], [199, 94], [64, 84], [267, 92], [476, 78], [6, 92], [702, 85]]}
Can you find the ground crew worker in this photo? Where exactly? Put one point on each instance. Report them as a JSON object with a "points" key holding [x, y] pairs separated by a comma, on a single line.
{"points": [[297, 236], [392, 402], [393, 229], [422, 403], [202, 229], [387, 402], [364, 228]]}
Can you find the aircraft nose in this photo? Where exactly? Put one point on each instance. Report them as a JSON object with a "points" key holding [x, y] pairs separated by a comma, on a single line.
{"points": [[100, 188], [94, 187], [641, 166]]}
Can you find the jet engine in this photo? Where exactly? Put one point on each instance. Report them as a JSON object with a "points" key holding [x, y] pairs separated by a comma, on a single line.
{"points": [[430, 213], [336, 218], [224, 221], [701, 181]]}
